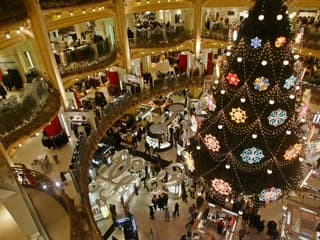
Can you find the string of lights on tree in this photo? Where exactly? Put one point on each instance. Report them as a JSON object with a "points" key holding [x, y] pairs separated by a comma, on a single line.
{"points": [[250, 144]]}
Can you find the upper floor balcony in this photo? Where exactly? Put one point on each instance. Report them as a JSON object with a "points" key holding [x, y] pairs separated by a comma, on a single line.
{"points": [[26, 109]]}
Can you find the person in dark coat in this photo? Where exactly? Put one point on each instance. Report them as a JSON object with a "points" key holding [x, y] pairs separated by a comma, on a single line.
{"points": [[151, 212], [176, 210]]}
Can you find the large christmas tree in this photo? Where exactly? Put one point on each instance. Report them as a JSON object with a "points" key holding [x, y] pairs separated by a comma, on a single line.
{"points": [[250, 142]]}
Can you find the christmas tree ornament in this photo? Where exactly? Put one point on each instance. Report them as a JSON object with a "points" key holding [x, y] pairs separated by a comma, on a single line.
{"points": [[261, 17], [238, 115], [252, 155], [277, 117], [212, 143], [270, 194], [221, 186], [264, 62], [285, 62], [256, 42], [280, 42], [261, 84], [290, 82], [293, 152], [271, 101], [233, 79], [279, 17]]}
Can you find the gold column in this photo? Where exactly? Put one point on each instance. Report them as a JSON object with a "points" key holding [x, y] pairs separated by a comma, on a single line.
{"points": [[123, 35], [197, 30], [45, 52]]}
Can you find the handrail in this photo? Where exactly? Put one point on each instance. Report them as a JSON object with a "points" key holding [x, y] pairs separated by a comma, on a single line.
{"points": [[153, 42], [113, 112], [87, 66], [33, 118], [34, 179]]}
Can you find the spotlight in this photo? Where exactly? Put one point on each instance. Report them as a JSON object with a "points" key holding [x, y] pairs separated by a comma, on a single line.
{"points": [[291, 96], [269, 171], [243, 100], [254, 136], [228, 54], [8, 35], [198, 147], [220, 126], [227, 166], [239, 59], [271, 102], [261, 17], [288, 132], [264, 63], [222, 92], [301, 159]]}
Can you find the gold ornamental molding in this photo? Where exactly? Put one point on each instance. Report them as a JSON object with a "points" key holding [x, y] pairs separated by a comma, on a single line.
{"points": [[163, 5]]}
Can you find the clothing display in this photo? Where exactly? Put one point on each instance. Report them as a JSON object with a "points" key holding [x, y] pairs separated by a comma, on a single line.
{"points": [[12, 79], [56, 141]]}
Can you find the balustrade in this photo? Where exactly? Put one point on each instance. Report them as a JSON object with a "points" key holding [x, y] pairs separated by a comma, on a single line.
{"points": [[88, 63], [171, 38], [34, 179], [21, 114]]}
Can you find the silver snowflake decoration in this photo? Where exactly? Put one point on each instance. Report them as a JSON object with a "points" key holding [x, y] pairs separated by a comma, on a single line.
{"points": [[277, 117], [256, 42], [290, 82], [252, 155]]}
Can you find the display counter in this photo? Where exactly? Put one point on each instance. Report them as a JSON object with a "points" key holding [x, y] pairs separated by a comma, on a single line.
{"points": [[212, 220]]}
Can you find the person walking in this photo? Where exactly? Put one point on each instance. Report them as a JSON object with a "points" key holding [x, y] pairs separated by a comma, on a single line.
{"points": [[176, 210], [136, 190], [166, 214], [151, 212], [184, 196]]}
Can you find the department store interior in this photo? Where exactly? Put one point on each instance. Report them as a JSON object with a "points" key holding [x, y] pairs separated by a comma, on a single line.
{"points": [[100, 101]]}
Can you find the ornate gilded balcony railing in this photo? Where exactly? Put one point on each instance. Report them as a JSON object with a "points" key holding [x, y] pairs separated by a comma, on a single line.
{"points": [[22, 114], [34, 179], [47, 4], [89, 63], [218, 34], [113, 112], [311, 39], [152, 40]]}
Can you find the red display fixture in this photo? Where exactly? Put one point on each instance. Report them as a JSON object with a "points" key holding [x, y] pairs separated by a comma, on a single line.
{"points": [[183, 61], [54, 128], [113, 77], [209, 63]]}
